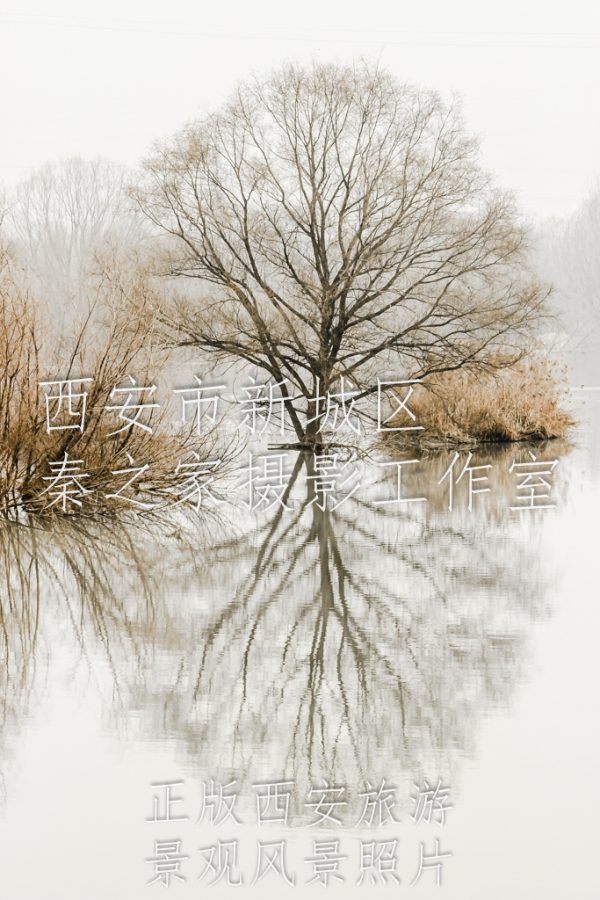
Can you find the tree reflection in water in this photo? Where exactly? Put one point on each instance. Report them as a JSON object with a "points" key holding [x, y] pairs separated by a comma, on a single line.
{"points": [[348, 644]]}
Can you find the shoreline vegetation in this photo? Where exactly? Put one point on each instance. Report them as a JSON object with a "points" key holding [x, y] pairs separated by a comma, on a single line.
{"points": [[106, 345], [379, 245], [522, 402], [525, 402]]}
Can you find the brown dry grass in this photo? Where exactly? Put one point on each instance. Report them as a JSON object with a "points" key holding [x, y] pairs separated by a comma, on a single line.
{"points": [[108, 345], [525, 402]]}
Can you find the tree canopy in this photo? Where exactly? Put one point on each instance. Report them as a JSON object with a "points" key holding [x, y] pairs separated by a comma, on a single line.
{"points": [[338, 223]]}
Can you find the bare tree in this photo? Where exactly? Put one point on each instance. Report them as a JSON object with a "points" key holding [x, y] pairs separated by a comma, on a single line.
{"points": [[60, 219], [567, 251], [338, 223]]}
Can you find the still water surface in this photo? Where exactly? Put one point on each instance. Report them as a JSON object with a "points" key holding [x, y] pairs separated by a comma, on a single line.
{"points": [[389, 641]]}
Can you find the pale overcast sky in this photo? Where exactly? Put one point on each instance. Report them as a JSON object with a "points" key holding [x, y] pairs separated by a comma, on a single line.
{"points": [[106, 79]]}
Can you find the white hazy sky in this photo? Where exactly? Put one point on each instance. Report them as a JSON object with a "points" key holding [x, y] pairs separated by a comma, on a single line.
{"points": [[106, 79]]}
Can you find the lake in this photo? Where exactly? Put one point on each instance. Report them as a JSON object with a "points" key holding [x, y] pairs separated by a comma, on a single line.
{"points": [[315, 663]]}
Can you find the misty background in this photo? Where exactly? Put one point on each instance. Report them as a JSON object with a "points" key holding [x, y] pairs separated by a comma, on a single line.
{"points": [[85, 96]]}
